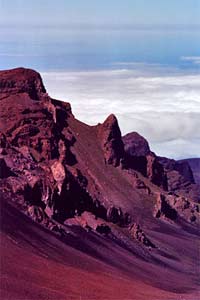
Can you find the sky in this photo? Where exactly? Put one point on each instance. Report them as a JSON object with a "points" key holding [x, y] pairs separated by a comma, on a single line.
{"points": [[138, 59], [104, 12]]}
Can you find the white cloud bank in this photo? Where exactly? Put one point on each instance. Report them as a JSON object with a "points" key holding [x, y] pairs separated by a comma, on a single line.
{"points": [[193, 59], [163, 108]]}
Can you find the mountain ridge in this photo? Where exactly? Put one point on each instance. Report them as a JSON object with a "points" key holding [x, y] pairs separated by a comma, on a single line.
{"points": [[75, 179]]}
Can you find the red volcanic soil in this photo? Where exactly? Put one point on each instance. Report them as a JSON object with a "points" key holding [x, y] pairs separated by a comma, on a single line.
{"points": [[85, 213], [38, 265]]}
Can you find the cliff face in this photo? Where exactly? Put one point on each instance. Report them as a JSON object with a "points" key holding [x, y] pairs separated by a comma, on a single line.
{"points": [[141, 158], [180, 178], [194, 164], [173, 176], [65, 174], [51, 160], [21, 81]]}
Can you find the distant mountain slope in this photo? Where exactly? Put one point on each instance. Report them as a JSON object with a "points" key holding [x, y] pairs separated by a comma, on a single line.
{"points": [[195, 166]]}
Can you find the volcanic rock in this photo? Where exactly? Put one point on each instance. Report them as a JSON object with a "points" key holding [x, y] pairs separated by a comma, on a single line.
{"points": [[138, 234], [21, 80], [163, 208], [69, 176], [140, 158], [194, 164], [59, 174], [5, 171], [116, 216], [135, 144], [89, 221], [111, 141], [180, 178]]}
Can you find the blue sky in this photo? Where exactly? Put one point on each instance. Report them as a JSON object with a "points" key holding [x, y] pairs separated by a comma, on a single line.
{"points": [[104, 12]]}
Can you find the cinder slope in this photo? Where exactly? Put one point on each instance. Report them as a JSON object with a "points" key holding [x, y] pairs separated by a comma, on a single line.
{"points": [[37, 264]]}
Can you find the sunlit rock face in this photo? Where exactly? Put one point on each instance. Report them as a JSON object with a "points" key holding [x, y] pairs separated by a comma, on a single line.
{"points": [[111, 141]]}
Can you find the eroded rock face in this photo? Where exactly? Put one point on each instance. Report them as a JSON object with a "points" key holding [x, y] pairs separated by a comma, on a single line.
{"points": [[185, 208], [117, 216], [182, 172], [89, 221], [52, 166], [194, 164], [140, 158], [111, 141], [171, 175], [138, 234], [180, 178], [135, 144], [163, 208], [59, 174], [173, 206], [21, 80], [155, 172], [38, 214]]}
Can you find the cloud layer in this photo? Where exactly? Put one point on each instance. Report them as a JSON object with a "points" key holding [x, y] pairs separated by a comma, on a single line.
{"points": [[163, 108], [193, 59]]}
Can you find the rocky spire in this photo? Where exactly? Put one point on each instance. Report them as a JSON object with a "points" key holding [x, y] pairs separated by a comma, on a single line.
{"points": [[111, 141]]}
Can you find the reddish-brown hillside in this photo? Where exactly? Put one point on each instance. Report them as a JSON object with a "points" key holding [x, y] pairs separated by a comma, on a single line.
{"points": [[88, 218]]}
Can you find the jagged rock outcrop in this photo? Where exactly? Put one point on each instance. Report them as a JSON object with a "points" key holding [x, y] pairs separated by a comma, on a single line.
{"points": [[173, 176], [111, 141], [59, 170], [180, 178], [138, 234], [21, 80], [194, 164], [163, 208], [77, 181], [59, 174], [89, 221], [173, 206], [117, 216], [136, 145], [181, 171], [140, 158], [156, 172]]}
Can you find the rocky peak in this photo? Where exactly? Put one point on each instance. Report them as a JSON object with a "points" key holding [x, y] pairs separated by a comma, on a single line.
{"points": [[110, 125], [21, 80], [135, 144], [111, 141], [140, 158]]}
